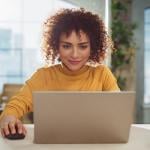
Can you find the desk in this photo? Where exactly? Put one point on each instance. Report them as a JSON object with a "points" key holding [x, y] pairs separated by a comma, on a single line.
{"points": [[139, 140]]}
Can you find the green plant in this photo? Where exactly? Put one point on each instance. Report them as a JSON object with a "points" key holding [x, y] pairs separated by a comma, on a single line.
{"points": [[122, 35]]}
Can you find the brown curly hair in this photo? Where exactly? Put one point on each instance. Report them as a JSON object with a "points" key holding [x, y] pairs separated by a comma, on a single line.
{"points": [[68, 20]]}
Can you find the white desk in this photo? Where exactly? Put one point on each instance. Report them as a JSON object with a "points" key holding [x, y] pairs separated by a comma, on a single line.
{"points": [[139, 140]]}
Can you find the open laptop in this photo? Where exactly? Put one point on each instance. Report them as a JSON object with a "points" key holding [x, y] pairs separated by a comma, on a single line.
{"points": [[82, 117]]}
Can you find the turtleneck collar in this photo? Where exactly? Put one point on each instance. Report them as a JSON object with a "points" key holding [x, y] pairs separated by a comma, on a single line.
{"points": [[66, 71]]}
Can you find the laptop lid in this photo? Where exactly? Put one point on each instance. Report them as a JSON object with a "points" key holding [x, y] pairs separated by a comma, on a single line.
{"points": [[82, 117]]}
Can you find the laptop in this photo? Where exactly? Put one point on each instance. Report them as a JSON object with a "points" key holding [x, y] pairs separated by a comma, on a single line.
{"points": [[82, 117]]}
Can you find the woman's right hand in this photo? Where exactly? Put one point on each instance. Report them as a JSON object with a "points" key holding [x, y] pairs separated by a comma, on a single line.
{"points": [[9, 124]]}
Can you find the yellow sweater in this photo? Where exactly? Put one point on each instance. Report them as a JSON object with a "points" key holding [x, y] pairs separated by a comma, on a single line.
{"points": [[59, 78]]}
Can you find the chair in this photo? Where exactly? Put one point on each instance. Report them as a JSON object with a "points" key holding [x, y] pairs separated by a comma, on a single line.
{"points": [[9, 89]]}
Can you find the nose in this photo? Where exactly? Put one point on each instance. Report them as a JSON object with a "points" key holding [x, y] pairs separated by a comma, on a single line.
{"points": [[75, 53]]}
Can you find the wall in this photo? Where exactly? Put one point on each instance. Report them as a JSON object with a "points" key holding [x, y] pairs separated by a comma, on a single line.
{"points": [[138, 17]]}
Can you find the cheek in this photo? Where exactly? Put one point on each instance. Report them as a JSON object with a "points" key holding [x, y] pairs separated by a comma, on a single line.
{"points": [[87, 54], [63, 55]]}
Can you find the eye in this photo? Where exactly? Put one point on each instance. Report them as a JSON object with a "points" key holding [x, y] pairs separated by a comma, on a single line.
{"points": [[65, 46], [83, 46]]}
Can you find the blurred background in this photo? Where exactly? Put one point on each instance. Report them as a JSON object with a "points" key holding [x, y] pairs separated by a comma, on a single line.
{"points": [[127, 21]]}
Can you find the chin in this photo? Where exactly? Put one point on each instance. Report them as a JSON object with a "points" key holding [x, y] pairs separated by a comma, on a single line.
{"points": [[74, 69]]}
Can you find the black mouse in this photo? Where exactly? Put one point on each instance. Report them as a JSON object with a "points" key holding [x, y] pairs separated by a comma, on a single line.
{"points": [[15, 136]]}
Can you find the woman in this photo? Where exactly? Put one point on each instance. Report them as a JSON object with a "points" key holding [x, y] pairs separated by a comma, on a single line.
{"points": [[78, 39]]}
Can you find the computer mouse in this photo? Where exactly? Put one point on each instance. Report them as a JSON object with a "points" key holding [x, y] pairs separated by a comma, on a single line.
{"points": [[15, 136]]}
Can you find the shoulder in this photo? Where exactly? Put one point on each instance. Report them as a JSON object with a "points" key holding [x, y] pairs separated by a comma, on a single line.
{"points": [[102, 72], [42, 75], [100, 68], [48, 68]]}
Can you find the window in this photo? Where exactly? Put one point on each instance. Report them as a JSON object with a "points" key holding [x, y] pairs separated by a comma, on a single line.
{"points": [[20, 35], [147, 56]]}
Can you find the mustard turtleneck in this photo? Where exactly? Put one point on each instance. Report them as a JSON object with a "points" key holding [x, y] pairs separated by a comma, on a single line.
{"points": [[60, 78]]}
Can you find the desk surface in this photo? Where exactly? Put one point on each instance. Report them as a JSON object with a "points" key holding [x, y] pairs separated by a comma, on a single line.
{"points": [[139, 140]]}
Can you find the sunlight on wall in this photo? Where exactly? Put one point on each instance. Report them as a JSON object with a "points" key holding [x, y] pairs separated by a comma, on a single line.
{"points": [[20, 36]]}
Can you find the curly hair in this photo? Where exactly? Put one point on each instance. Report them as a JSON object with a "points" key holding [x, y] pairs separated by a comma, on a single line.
{"points": [[68, 20]]}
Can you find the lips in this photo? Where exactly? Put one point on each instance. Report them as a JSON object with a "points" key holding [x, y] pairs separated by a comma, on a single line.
{"points": [[74, 62]]}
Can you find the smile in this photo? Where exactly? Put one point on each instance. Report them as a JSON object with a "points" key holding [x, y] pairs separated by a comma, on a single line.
{"points": [[74, 62]]}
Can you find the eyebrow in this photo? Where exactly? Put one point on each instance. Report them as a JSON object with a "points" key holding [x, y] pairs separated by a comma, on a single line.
{"points": [[81, 43]]}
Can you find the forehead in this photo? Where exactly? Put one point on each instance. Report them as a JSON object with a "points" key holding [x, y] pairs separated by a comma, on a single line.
{"points": [[74, 36]]}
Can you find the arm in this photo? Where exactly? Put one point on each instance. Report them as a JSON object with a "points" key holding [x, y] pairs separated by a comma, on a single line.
{"points": [[19, 105]]}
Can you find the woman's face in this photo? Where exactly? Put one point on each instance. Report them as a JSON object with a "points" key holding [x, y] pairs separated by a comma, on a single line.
{"points": [[74, 50]]}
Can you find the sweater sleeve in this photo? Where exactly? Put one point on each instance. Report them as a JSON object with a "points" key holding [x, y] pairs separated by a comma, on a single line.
{"points": [[21, 103], [109, 81]]}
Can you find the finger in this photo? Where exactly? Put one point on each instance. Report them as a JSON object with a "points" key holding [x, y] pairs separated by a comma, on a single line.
{"points": [[6, 129], [2, 133], [24, 130], [19, 127], [11, 126]]}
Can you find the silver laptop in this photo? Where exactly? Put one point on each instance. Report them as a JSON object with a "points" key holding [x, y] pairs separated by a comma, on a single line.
{"points": [[82, 117]]}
